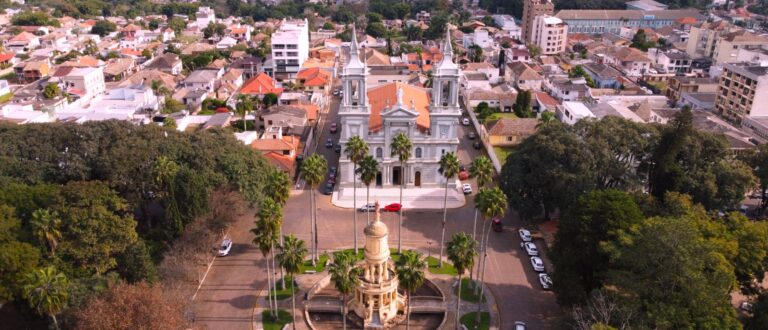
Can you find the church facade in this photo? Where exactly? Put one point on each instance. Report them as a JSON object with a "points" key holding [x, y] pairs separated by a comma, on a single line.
{"points": [[429, 117]]}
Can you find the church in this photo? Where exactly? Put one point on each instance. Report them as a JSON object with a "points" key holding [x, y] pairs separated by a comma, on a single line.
{"points": [[429, 117]]}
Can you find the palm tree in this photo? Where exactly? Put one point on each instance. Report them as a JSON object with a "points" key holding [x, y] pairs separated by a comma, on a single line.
{"points": [[492, 203], [367, 169], [449, 166], [265, 236], [244, 104], [312, 171], [410, 272], [45, 226], [356, 149], [461, 252], [482, 170], [291, 256], [345, 277], [279, 186], [401, 146], [46, 292]]}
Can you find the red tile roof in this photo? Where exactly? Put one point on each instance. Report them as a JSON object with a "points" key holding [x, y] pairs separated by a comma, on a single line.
{"points": [[260, 85], [381, 95], [313, 77], [6, 56]]}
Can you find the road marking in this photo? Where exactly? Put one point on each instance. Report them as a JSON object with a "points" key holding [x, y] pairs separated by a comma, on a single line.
{"points": [[206, 272]]}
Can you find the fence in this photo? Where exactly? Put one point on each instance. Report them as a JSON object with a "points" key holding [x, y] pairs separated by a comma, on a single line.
{"points": [[484, 137]]}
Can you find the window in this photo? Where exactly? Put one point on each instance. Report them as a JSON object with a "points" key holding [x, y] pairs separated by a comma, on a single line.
{"points": [[293, 47], [418, 152], [379, 152], [278, 53], [509, 139], [293, 61], [292, 54], [278, 46]]}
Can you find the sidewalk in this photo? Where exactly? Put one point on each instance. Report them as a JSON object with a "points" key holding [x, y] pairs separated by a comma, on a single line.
{"points": [[413, 198]]}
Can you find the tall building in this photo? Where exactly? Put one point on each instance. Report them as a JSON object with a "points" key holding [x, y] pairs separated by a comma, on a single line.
{"points": [[549, 34], [531, 9], [204, 16], [742, 92], [377, 114], [290, 48]]}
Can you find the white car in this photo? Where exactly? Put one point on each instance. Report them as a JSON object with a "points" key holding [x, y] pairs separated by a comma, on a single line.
{"points": [[530, 248], [466, 188], [370, 207], [525, 235], [545, 281], [537, 263], [520, 325], [226, 246], [465, 121]]}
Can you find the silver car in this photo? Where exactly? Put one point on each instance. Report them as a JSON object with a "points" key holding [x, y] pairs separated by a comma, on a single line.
{"points": [[530, 248], [545, 281], [525, 235], [537, 263], [226, 246]]}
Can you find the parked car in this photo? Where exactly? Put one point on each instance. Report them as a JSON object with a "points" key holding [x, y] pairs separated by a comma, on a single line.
{"points": [[328, 143], [471, 135], [331, 180], [328, 188], [337, 92], [337, 148], [546, 281], [334, 127], [537, 263], [529, 248], [332, 175], [477, 145], [226, 246], [466, 188], [520, 325], [394, 207], [525, 235], [333, 169], [370, 207], [463, 175], [462, 168], [465, 121]]}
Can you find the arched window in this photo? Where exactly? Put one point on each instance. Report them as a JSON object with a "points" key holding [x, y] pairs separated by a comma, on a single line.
{"points": [[418, 152], [379, 152]]}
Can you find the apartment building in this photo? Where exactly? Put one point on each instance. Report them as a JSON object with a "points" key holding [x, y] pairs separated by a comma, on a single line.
{"points": [[722, 42], [550, 34], [290, 48], [677, 86], [531, 9], [742, 92]]}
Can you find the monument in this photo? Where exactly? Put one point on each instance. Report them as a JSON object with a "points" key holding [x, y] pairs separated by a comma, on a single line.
{"points": [[376, 300]]}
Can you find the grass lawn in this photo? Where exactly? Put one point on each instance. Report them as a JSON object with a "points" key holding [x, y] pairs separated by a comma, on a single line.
{"points": [[467, 293], [284, 294], [499, 115], [447, 268], [318, 268], [468, 320], [283, 318], [502, 153]]}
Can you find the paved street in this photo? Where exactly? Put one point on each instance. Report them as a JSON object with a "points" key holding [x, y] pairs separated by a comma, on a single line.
{"points": [[226, 299]]}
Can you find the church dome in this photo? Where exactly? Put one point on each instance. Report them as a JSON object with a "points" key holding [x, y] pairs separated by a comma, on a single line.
{"points": [[376, 228]]}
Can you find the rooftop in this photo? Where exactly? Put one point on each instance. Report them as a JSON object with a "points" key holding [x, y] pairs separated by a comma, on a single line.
{"points": [[604, 14]]}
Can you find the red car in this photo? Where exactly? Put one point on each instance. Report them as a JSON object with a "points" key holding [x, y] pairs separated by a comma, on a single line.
{"points": [[463, 175], [334, 127], [394, 207]]}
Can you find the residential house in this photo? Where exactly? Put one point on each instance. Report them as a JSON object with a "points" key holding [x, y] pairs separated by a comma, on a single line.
{"points": [[474, 80], [670, 61], [507, 24], [480, 37], [169, 63], [204, 79], [7, 60], [494, 99], [230, 83], [677, 86], [279, 150], [515, 54], [23, 42], [507, 132], [603, 75], [32, 70], [148, 76], [490, 71], [523, 76], [543, 102], [261, 85], [315, 79], [249, 65], [633, 62], [291, 119], [204, 16], [571, 112], [241, 32], [565, 89], [702, 101], [226, 43], [84, 83], [119, 69]]}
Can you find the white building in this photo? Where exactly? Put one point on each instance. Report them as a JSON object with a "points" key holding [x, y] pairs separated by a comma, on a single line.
{"points": [[205, 16], [507, 24], [378, 114], [290, 48], [480, 37], [571, 112], [550, 34], [85, 82]]}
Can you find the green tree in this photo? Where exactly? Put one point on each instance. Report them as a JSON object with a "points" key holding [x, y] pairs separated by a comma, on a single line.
{"points": [[449, 167], [177, 24], [146, 53], [291, 257], [214, 29], [461, 252], [759, 319], [135, 264], [328, 26], [45, 227], [522, 106], [482, 170], [33, 18], [547, 117], [592, 226], [279, 186], [269, 100], [46, 292], [640, 41], [492, 203], [367, 169], [476, 53], [345, 277], [402, 147], [17, 258], [376, 30], [266, 234], [169, 123], [356, 149], [244, 105], [312, 172], [578, 71], [51, 91], [410, 272], [103, 28]]}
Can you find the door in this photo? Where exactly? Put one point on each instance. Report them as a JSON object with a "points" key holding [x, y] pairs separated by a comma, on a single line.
{"points": [[397, 175], [378, 179], [417, 179]]}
